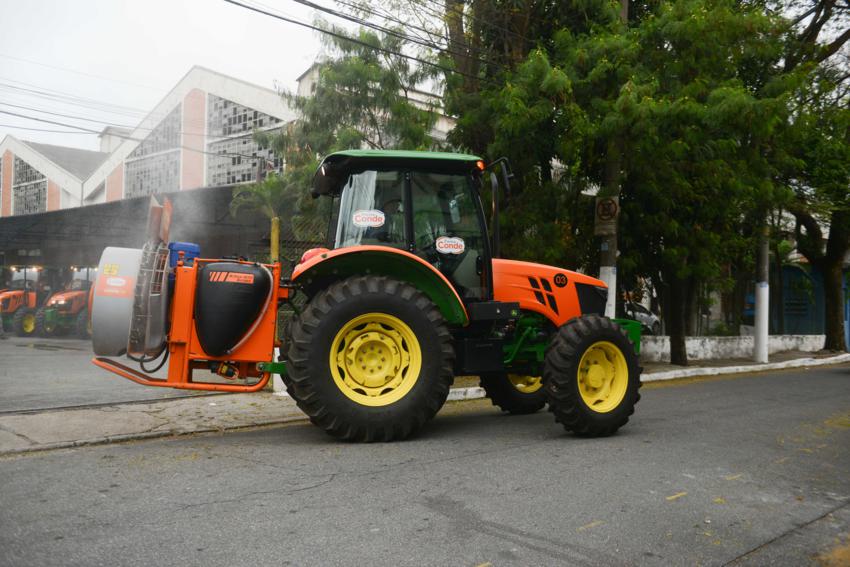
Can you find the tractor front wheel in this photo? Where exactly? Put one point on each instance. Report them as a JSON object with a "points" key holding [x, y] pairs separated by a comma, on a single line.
{"points": [[24, 322], [591, 376], [43, 326], [514, 393], [370, 359], [83, 324]]}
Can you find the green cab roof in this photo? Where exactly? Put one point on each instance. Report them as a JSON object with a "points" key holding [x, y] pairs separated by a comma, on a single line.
{"points": [[401, 154], [335, 167]]}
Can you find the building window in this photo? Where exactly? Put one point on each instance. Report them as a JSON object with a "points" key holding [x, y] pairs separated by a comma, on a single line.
{"points": [[159, 173], [165, 136], [237, 155], [226, 118], [154, 166], [29, 189], [237, 161]]}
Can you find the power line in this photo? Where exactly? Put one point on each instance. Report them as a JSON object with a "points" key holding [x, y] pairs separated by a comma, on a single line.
{"points": [[383, 29], [97, 121], [105, 122], [42, 129], [352, 40], [482, 21], [83, 129], [56, 94], [83, 73]]}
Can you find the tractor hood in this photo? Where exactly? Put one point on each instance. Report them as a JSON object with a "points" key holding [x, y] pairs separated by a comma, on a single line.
{"points": [[557, 294], [334, 169], [10, 293], [63, 297]]}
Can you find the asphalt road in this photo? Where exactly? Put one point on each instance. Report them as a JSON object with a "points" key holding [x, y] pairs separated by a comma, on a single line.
{"points": [[48, 373], [751, 470]]}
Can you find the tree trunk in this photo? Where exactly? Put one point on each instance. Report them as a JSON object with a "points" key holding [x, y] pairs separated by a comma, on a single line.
{"points": [[832, 266], [675, 319], [834, 306]]}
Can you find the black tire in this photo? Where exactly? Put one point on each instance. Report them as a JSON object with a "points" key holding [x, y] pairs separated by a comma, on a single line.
{"points": [[311, 383], [561, 376], [82, 325], [41, 329], [18, 322], [507, 397]]}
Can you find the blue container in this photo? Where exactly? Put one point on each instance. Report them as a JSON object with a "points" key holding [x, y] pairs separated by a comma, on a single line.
{"points": [[190, 252]]}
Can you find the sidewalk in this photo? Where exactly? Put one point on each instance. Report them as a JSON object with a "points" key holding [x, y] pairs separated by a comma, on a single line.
{"points": [[24, 432]]}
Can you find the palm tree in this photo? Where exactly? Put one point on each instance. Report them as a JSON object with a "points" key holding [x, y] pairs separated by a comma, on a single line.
{"points": [[271, 198]]}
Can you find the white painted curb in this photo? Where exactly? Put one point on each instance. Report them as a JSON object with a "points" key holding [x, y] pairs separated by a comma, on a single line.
{"points": [[720, 370], [475, 392]]}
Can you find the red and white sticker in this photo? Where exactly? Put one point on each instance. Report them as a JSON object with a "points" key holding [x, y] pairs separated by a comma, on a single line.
{"points": [[450, 245], [115, 286], [372, 218]]}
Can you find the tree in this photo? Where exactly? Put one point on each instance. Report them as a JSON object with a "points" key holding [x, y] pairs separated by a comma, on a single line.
{"points": [[362, 97], [818, 39], [822, 192], [674, 99]]}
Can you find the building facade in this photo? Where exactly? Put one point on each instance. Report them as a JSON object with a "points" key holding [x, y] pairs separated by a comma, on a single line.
{"points": [[199, 135]]}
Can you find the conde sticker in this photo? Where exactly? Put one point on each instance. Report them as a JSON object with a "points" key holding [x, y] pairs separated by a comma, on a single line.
{"points": [[368, 219], [450, 245]]}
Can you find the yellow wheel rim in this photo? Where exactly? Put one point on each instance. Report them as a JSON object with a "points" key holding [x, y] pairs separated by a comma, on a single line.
{"points": [[526, 384], [375, 359], [28, 323], [603, 376]]}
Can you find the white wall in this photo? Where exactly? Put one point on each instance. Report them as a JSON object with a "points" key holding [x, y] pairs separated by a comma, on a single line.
{"points": [[657, 349]]}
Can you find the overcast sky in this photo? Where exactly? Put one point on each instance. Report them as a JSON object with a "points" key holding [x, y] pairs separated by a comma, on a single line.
{"points": [[131, 53]]}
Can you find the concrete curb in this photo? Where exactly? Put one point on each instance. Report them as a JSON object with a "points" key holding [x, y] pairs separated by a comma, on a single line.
{"points": [[744, 368], [147, 435]]}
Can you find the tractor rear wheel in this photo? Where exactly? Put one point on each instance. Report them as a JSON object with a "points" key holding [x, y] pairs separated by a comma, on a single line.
{"points": [[24, 322], [514, 393], [370, 359], [82, 325], [44, 328], [591, 376]]}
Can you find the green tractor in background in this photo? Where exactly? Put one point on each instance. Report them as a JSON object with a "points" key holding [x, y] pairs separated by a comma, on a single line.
{"points": [[67, 311]]}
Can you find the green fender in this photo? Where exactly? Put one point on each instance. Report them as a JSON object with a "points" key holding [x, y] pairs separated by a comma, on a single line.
{"points": [[322, 269]]}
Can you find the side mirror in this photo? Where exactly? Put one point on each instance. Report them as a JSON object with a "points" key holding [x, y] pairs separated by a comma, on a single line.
{"points": [[496, 184]]}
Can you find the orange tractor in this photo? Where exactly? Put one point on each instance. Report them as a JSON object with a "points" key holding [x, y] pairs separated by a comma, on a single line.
{"points": [[66, 311], [410, 293], [19, 300]]}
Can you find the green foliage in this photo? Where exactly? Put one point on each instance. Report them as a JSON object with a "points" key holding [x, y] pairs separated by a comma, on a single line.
{"points": [[361, 98]]}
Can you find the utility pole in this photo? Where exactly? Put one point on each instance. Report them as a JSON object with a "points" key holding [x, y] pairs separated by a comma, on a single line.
{"points": [[608, 208], [762, 298]]}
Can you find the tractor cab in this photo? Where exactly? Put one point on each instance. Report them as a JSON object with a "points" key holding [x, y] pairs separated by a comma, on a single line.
{"points": [[81, 278], [425, 203]]}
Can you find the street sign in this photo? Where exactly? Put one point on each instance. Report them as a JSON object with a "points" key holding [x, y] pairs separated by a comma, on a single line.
{"points": [[607, 212]]}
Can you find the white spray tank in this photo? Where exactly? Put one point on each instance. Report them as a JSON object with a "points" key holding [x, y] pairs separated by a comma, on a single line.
{"points": [[131, 295]]}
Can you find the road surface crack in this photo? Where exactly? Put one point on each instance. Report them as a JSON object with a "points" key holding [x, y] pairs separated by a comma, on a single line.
{"points": [[786, 534]]}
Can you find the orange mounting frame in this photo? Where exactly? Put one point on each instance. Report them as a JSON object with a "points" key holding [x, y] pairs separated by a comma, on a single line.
{"points": [[184, 348]]}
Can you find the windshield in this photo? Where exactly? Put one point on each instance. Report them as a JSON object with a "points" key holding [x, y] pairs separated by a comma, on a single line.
{"points": [[371, 210], [446, 228], [78, 285]]}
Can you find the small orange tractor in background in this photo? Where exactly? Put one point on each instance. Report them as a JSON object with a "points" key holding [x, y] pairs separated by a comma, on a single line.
{"points": [[19, 300], [67, 311], [410, 292]]}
